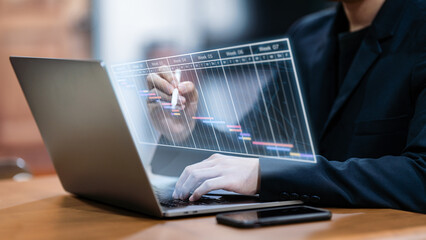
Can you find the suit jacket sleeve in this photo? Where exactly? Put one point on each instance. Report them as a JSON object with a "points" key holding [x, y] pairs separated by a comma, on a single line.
{"points": [[385, 182]]}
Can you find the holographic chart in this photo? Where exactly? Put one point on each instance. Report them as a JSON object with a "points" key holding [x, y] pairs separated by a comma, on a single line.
{"points": [[249, 102]]}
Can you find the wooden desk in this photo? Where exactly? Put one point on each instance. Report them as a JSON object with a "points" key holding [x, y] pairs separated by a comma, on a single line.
{"points": [[40, 209]]}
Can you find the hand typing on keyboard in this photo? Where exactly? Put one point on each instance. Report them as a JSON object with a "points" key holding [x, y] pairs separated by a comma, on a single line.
{"points": [[237, 174]]}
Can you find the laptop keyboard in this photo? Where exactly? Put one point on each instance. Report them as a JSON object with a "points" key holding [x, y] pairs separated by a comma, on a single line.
{"points": [[173, 203], [164, 195]]}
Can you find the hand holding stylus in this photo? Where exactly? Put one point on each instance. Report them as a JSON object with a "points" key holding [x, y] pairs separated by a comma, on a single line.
{"points": [[174, 93]]}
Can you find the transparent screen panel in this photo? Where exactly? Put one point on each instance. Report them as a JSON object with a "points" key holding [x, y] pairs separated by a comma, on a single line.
{"points": [[247, 102]]}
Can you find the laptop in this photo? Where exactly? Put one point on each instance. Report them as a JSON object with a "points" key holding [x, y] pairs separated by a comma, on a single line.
{"points": [[91, 144]]}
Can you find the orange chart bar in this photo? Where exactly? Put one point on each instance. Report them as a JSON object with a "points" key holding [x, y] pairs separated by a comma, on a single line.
{"points": [[245, 138], [157, 97], [273, 144]]}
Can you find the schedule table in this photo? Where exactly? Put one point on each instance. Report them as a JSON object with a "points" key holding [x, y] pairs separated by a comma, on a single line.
{"points": [[249, 102]]}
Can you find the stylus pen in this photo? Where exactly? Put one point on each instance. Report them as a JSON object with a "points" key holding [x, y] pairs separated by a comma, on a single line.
{"points": [[175, 93]]}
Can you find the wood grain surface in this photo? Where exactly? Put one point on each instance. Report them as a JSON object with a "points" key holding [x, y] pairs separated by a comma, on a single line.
{"points": [[41, 209]]}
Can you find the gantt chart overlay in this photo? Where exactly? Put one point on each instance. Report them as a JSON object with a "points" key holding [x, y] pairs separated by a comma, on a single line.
{"points": [[249, 102]]}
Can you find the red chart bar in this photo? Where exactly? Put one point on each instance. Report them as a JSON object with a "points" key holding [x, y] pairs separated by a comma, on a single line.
{"points": [[233, 126]]}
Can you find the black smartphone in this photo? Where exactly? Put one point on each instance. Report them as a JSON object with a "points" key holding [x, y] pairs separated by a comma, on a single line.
{"points": [[273, 216]]}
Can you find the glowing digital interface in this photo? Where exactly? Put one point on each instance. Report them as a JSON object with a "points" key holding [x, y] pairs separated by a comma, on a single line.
{"points": [[247, 101]]}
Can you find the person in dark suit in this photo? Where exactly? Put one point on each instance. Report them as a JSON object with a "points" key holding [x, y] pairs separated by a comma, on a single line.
{"points": [[363, 70]]}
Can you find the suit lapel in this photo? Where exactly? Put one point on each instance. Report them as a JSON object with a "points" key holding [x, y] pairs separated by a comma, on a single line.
{"points": [[382, 28], [367, 54]]}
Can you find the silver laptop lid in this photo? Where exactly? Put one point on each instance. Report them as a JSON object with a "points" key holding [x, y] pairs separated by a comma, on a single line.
{"points": [[84, 130]]}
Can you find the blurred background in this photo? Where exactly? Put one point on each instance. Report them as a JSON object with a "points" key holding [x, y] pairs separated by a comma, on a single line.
{"points": [[119, 31]]}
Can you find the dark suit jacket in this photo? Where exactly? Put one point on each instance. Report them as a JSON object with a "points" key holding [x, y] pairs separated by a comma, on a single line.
{"points": [[372, 136]]}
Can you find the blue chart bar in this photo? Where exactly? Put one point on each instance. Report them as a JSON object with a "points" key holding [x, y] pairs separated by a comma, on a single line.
{"points": [[249, 102], [279, 149], [214, 122]]}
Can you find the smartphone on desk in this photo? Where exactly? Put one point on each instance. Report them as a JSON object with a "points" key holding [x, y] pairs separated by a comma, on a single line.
{"points": [[273, 216]]}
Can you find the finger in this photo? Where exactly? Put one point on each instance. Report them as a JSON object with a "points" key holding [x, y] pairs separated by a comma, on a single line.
{"points": [[188, 90], [186, 87], [165, 97], [187, 171], [207, 186], [195, 179], [166, 73], [207, 163], [155, 81], [158, 93], [215, 156]]}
